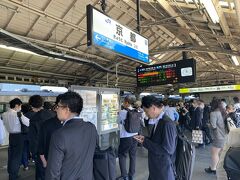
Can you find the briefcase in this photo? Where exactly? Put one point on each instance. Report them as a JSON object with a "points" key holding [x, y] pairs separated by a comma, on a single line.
{"points": [[197, 136]]}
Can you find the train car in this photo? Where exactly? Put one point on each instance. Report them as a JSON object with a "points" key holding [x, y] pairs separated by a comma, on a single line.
{"points": [[6, 96], [24, 95]]}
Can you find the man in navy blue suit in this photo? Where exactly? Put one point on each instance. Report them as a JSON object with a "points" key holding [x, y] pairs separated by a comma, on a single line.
{"points": [[161, 145]]}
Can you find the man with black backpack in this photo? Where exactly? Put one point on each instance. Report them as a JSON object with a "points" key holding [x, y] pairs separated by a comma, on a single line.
{"points": [[129, 120]]}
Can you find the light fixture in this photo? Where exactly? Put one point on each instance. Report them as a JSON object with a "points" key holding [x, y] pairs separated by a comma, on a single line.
{"points": [[208, 4], [16, 49], [189, 1], [235, 60], [26, 51]]}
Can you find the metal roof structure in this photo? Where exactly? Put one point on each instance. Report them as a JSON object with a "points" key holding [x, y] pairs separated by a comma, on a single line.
{"points": [[172, 26]]}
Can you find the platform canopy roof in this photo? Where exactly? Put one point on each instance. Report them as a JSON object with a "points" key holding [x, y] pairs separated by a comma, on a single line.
{"points": [[171, 26]]}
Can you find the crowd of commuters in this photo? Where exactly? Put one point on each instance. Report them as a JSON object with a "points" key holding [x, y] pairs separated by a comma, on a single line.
{"points": [[62, 145]]}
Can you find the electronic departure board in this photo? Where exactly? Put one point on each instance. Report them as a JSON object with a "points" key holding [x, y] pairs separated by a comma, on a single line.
{"points": [[167, 73]]}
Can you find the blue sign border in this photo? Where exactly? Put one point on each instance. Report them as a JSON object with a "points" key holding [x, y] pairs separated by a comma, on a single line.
{"points": [[100, 40]]}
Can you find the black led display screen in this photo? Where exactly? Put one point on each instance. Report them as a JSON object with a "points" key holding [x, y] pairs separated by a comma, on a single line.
{"points": [[181, 71]]}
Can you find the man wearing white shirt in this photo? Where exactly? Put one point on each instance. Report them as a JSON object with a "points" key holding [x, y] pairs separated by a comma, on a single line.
{"points": [[13, 125], [128, 145], [2, 132], [236, 103]]}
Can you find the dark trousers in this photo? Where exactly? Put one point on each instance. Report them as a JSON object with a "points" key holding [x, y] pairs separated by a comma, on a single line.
{"points": [[127, 146], [26, 153], [14, 155], [39, 169], [207, 134]]}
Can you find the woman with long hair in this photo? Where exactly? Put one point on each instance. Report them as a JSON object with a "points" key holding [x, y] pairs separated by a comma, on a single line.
{"points": [[217, 127]]}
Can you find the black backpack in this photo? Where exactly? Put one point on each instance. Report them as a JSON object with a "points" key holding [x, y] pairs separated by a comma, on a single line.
{"points": [[232, 163], [132, 123], [24, 128], [185, 157]]}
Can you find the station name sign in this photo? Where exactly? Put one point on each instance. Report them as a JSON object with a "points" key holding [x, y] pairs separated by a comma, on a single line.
{"points": [[102, 31], [209, 89]]}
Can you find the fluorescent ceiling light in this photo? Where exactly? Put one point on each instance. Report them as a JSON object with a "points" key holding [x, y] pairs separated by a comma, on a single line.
{"points": [[226, 4], [159, 56], [235, 60], [26, 51], [17, 49], [189, 1], [208, 4], [58, 59]]}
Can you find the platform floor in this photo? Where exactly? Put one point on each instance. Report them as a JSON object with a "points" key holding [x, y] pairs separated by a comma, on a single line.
{"points": [[202, 161]]}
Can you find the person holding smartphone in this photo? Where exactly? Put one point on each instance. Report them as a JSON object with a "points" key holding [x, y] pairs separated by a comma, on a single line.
{"points": [[161, 144]]}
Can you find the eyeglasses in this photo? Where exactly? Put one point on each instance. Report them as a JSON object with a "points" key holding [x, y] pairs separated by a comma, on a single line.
{"points": [[60, 106]]}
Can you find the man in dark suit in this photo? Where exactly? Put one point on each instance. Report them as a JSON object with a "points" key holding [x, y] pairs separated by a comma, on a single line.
{"points": [[162, 143], [72, 146]]}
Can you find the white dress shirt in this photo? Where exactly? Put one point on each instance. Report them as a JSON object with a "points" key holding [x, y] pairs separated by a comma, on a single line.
{"points": [[2, 132], [121, 118], [156, 120], [12, 122]]}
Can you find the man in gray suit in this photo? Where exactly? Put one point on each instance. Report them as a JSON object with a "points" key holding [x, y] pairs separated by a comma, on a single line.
{"points": [[162, 143], [72, 146]]}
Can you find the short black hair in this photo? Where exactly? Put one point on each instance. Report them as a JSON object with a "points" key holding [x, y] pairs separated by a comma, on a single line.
{"points": [[148, 101], [36, 101], [236, 100], [73, 101], [14, 102], [47, 105], [26, 108], [58, 99]]}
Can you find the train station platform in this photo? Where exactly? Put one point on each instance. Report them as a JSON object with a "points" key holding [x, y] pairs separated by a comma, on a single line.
{"points": [[202, 160]]}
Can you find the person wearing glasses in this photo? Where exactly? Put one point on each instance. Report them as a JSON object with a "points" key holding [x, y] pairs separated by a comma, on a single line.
{"points": [[72, 147]]}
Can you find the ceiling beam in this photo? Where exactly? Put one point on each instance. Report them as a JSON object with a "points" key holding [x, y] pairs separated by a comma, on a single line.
{"points": [[223, 22], [193, 6], [43, 14], [206, 49], [168, 8], [237, 9]]}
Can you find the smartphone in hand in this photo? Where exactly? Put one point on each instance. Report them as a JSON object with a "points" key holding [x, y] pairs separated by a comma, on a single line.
{"points": [[139, 138]]}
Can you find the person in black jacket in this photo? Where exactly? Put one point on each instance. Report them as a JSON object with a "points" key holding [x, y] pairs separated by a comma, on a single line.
{"points": [[197, 115], [206, 124], [46, 131], [36, 121], [161, 145]]}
